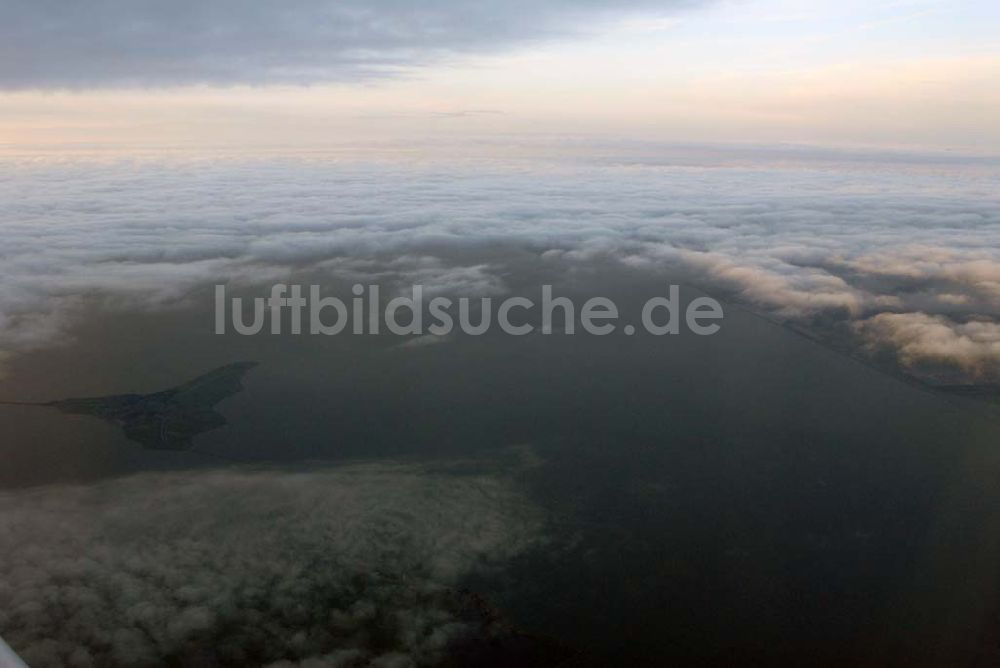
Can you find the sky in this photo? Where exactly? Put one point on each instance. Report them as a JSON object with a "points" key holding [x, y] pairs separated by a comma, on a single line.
{"points": [[314, 73]]}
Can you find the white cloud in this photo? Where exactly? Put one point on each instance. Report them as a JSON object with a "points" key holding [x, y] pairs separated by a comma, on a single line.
{"points": [[922, 339], [351, 566], [404, 271], [827, 239]]}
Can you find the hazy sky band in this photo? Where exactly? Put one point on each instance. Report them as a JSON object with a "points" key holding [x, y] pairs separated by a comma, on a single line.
{"points": [[915, 72]]}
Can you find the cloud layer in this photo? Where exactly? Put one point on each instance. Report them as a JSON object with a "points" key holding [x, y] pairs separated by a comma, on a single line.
{"points": [[61, 43], [349, 567], [829, 246], [921, 339]]}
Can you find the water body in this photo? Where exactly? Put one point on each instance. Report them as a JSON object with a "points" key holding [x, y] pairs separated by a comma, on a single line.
{"points": [[746, 497]]}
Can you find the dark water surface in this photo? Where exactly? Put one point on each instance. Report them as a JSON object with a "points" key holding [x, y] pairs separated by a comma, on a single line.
{"points": [[740, 499]]}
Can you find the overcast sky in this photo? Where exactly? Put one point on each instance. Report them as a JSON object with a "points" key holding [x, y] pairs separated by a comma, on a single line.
{"points": [[321, 72]]}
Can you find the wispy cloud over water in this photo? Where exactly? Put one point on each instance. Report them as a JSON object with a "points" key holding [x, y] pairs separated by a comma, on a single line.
{"points": [[353, 566]]}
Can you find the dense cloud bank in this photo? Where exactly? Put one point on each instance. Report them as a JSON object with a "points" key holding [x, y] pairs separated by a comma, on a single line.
{"points": [[903, 261], [63, 43], [349, 567]]}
